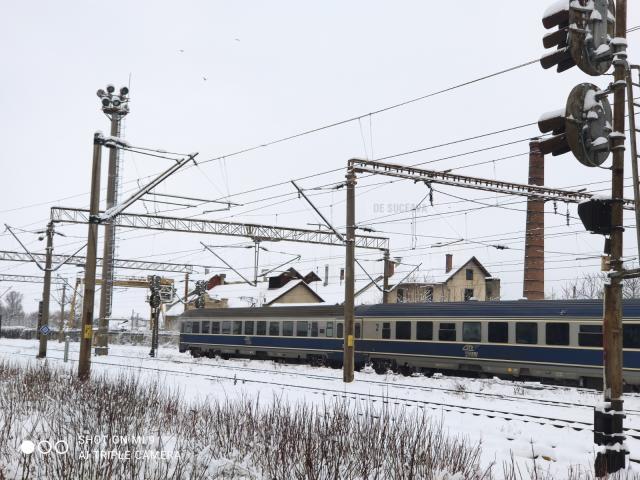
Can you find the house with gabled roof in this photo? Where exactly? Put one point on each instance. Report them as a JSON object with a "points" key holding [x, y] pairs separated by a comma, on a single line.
{"points": [[469, 280]]}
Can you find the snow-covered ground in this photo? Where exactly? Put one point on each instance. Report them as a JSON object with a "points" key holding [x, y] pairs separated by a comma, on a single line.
{"points": [[525, 420]]}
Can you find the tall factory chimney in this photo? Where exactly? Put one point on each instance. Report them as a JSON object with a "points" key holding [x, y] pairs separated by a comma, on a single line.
{"points": [[533, 285]]}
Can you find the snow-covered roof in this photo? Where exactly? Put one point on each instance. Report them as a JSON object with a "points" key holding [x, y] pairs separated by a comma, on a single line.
{"points": [[434, 276], [245, 295]]}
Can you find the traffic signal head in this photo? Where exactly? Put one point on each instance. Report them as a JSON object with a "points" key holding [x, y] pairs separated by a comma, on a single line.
{"points": [[557, 15], [583, 36], [554, 123], [595, 214], [582, 127]]}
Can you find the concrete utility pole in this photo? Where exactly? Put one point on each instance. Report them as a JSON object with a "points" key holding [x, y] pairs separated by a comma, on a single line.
{"points": [[116, 107], [613, 459], [62, 302], [84, 360], [533, 285], [386, 294], [186, 290], [43, 319], [349, 283]]}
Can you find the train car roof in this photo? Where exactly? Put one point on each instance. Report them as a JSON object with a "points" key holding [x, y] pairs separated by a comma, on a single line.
{"points": [[518, 308]]}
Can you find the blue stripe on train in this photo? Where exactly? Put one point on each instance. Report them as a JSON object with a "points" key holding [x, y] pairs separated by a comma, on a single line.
{"points": [[515, 353]]}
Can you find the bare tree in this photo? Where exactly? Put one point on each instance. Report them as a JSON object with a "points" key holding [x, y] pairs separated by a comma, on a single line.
{"points": [[13, 310], [590, 285], [631, 288]]}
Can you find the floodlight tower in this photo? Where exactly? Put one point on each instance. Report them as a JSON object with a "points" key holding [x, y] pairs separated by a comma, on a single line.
{"points": [[115, 107]]}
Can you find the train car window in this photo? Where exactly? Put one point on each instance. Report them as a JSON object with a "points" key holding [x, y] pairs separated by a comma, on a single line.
{"points": [[403, 330], [424, 330], [287, 329], [314, 329], [498, 332], [329, 329], [527, 332], [631, 336], [215, 328], [557, 333], [205, 327], [590, 336], [195, 327], [274, 329], [302, 329], [340, 330], [248, 327], [186, 327], [261, 327], [386, 330], [237, 327], [471, 331], [226, 327], [447, 332], [358, 329]]}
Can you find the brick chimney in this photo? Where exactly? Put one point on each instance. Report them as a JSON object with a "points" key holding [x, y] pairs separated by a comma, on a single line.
{"points": [[448, 263], [533, 285]]}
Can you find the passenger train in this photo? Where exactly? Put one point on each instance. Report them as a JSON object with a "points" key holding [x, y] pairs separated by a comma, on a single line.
{"points": [[551, 340]]}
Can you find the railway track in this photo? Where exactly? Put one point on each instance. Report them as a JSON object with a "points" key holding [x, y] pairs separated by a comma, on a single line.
{"points": [[379, 399], [421, 388]]}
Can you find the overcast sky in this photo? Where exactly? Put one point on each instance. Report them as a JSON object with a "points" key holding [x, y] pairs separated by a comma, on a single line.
{"points": [[216, 77]]}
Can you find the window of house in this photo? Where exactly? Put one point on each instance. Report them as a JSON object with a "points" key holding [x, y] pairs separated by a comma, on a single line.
{"points": [[403, 330], [498, 332], [527, 332], [424, 330], [447, 332], [205, 327], [195, 327], [248, 327], [557, 333], [469, 273], [314, 329], [215, 328], [340, 330], [301, 329], [428, 294], [631, 336], [226, 327], [287, 329], [261, 327], [386, 330], [274, 329], [590, 336], [471, 331], [401, 295], [329, 329], [237, 327], [468, 294]]}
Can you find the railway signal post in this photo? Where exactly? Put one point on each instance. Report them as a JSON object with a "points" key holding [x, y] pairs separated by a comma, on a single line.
{"points": [[608, 423], [592, 35]]}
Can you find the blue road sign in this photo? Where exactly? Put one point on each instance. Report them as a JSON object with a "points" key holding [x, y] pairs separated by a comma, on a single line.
{"points": [[45, 330]]}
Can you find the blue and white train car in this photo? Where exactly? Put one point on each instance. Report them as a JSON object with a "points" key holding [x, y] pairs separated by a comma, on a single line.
{"points": [[555, 339]]}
